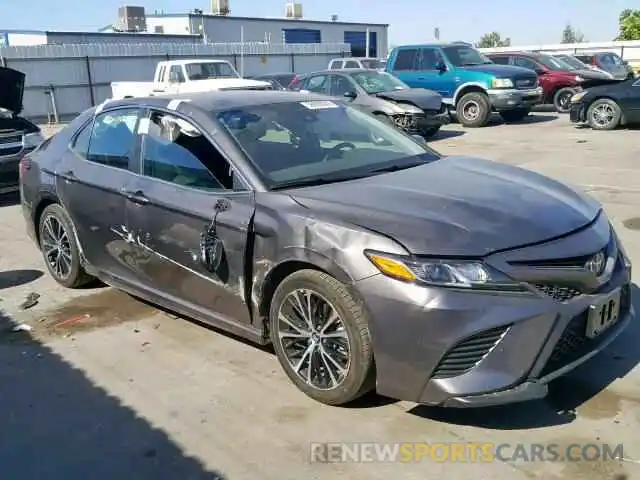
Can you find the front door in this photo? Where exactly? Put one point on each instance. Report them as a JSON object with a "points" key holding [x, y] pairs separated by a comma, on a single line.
{"points": [[91, 181], [191, 220], [435, 78]]}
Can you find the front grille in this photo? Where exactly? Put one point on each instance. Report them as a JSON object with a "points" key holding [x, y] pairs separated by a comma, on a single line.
{"points": [[526, 82], [10, 139], [407, 122], [4, 152], [571, 262], [574, 343], [560, 293], [468, 353]]}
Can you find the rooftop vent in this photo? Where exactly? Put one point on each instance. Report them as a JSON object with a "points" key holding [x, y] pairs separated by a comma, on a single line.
{"points": [[132, 19], [220, 7], [293, 10]]}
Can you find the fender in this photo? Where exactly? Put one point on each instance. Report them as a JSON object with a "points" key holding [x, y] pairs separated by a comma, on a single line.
{"points": [[305, 254], [465, 85]]}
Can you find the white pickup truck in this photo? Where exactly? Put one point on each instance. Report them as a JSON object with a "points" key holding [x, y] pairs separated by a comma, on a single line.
{"points": [[188, 76]]}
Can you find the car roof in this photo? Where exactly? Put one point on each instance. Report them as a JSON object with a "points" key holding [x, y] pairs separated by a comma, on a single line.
{"points": [[436, 44], [221, 100], [277, 74], [524, 54]]}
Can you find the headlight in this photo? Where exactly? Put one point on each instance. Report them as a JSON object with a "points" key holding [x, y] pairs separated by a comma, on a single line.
{"points": [[579, 78], [31, 140], [411, 109], [578, 96], [443, 273], [502, 83]]}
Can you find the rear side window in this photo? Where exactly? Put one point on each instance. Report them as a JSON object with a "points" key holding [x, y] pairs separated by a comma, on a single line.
{"points": [[113, 138], [406, 59], [81, 143], [335, 64], [176, 75], [524, 63]]}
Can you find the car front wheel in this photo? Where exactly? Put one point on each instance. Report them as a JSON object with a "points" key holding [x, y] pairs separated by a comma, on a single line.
{"points": [[562, 99], [59, 248], [604, 114], [473, 109], [321, 337]]}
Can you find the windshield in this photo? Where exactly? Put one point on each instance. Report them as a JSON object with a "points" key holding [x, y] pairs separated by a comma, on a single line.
{"points": [[208, 70], [301, 143], [374, 82], [553, 63], [572, 62], [463, 56], [372, 63]]}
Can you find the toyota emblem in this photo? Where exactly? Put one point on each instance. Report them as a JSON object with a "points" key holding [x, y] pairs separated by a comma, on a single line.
{"points": [[596, 263]]}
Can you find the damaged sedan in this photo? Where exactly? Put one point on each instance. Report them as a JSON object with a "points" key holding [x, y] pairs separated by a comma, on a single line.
{"points": [[417, 111], [367, 259]]}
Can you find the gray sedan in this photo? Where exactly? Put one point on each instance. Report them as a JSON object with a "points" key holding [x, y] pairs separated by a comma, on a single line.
{"points": [[363, 256], [416, 111]]}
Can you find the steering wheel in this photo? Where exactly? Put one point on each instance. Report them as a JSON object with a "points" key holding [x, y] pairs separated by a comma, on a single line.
{"points": [[336, 150]]}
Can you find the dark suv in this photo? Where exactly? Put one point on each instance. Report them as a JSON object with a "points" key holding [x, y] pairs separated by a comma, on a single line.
{"points": [[559, 80]]}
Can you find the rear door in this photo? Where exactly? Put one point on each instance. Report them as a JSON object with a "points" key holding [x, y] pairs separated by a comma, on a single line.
{"points": [[191, 215], [91, 182]]}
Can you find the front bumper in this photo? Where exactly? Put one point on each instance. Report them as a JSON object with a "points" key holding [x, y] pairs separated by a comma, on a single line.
{"points": [[415, 124], [457, 348], [510, 99], [578, 113]]}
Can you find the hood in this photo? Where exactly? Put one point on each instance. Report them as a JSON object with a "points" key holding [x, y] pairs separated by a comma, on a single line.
{"points": [[11, 89], [233, 83], [498, 70], [456, 206], [420, 97]]}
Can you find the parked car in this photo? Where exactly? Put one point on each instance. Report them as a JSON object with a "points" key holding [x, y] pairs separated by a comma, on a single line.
{"points": [[173, 77], [18, 136], [468, 81], [559, 80], [577, 64], [357, 62], [279, 81], [415, 110], [378, 264], [607, 106], [610, 62]]}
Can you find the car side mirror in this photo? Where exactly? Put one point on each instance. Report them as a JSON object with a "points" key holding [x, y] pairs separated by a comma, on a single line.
{"points": [[350, 95], [419, 139], [441, 67]]}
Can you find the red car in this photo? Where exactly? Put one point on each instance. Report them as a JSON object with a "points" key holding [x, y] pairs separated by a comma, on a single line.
{"points": [[559, 80]]}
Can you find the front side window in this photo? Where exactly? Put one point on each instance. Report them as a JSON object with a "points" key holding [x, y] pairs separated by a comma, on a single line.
{"points": [[295, 143], [374, 82], [318, 84], [113, 138], [463, 56], [175, 151], [525, 62], [208, 70]]}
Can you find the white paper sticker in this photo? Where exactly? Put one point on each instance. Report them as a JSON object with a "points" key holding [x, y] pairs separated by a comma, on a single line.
{"points": [[143, 126], [175, 103], [319, 104], [100, 107]]}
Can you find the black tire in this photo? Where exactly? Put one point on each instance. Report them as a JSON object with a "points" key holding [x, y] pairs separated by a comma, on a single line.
{"points": [[76, 276], [561, 99], [514, 115], [473, 110], [360, 375], [604, 114], [431, 131]]}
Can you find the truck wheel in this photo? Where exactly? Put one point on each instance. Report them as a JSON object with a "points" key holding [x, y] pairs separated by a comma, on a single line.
{"points": [[562, 99], [473, 110], [514, 115], [604, 114]]}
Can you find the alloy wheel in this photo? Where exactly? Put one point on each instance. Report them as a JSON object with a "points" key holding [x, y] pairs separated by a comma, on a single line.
{"points": [[603, 115], [56, 246], [314, 339]]}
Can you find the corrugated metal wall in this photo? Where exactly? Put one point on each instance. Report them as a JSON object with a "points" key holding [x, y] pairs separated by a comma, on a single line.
{"points": [[80, 75]]}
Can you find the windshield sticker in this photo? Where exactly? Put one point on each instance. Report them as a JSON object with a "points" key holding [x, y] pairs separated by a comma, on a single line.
{"points": [[143, 126], [319, 105]]}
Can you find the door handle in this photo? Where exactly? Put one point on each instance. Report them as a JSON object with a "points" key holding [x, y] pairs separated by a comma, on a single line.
{"points": [[67, 175], [421, 78], [136, 196]]}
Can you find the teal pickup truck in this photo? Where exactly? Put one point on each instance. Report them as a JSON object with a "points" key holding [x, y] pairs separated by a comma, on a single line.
{"points": [[468, 81]]}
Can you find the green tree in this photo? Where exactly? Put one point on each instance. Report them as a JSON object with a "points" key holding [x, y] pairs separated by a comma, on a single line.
{"points": [[571, 35], [493, 39], [629, 25]]}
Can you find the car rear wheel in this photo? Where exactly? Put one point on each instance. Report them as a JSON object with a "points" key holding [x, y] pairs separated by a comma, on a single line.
{"points": [[473, 110], [562, 99], [59, 248], [604, 114], [514, 115], [321, 337]]}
